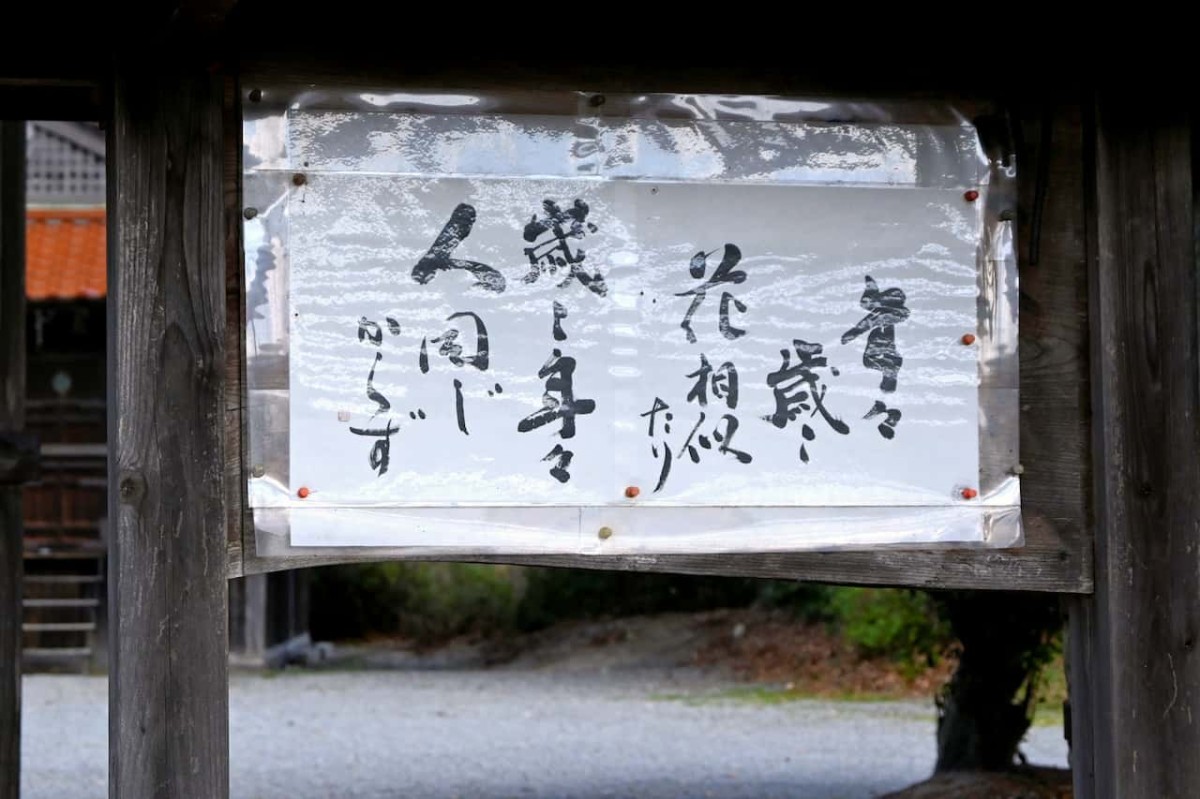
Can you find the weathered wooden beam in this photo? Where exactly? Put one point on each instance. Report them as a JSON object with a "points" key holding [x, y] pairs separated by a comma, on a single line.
{"points": [[79, 100], [12, 420], [255, 616], [168, 705], [1134, 662]]}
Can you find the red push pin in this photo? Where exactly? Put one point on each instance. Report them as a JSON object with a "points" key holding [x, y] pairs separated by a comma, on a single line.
{"points": [[968, 339], [969, 493], [632, 491], [970, 195], [303, 492]]}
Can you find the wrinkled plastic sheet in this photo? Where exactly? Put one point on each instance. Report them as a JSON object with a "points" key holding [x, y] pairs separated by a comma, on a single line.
{"points": [[831, 208]]}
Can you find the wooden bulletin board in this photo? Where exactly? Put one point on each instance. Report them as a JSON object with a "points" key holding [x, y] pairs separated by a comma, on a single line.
{"points": [[1054, 429]]}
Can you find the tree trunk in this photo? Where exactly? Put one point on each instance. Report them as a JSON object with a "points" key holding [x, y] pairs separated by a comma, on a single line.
{"points": [[987, 706]]}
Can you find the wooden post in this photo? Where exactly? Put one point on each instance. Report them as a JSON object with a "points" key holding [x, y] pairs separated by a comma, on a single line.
{"points": [[248, 614], [12, 420], [1134, 664], [168, 685]]}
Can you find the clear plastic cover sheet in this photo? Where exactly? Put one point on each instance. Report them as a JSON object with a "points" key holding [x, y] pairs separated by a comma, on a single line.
{"points": [[571, 323]]}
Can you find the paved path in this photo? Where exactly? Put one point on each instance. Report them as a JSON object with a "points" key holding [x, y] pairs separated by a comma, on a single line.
{"points": [[494, 734]]}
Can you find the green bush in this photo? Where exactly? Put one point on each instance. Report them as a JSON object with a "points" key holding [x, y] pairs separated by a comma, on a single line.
{"points": [[808, 602], [553, 595], [435, 601], [424, 601], [431, 602], [887, 622]]}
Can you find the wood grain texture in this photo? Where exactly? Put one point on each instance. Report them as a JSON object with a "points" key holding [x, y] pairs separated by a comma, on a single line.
{"points": [[1054, 336], [11, 580], [1137, 650], [168, 697], [1055, 432], [235, 326], [254, 642], [12, 419], [1082, 719]]}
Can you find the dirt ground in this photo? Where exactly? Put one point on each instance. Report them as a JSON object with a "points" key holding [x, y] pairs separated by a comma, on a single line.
{"points": [[755, 646], [1039, 783]]}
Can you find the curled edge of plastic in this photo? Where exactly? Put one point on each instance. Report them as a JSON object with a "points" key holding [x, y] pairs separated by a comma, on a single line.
{"points": [[266, 99], [637, 531], [993, 522]]}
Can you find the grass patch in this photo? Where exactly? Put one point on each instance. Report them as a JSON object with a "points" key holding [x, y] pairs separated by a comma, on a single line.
{"points": [[1052, 693], [1047, 717], [766, 695]]}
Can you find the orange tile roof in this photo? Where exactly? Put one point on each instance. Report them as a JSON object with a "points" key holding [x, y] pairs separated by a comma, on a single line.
{"points": [[65, 253]]}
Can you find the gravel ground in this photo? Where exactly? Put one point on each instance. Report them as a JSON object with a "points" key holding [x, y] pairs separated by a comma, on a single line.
{"points": [[487, 734]]}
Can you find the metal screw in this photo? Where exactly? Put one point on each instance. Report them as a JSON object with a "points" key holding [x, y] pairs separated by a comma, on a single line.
{"points": [[605, 533], [299, 179], [255, 95], [250, 213], [1018, 470], [259, 470]]}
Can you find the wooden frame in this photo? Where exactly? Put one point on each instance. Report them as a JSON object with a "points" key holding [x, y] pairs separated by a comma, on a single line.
{"points": [[1057, 555], [1110, 376], [168, 685], [1134, 662], [12, 422]]}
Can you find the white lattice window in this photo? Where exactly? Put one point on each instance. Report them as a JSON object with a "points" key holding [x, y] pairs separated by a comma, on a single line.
{"points": [[65, 164]]}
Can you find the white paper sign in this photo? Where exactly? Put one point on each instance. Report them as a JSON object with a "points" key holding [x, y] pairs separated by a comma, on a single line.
{"points": [[493, 340]]}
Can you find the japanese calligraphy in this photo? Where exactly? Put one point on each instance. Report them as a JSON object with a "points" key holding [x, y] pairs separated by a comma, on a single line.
{"points": [[724, 383], [380, 455], [798, 388], [438, 258], [562, 460], [660, 446], [701, 422], [725, 273], [553, 252], [891, 417], [560, 313], [452, 350], [473, 326], [558, 403], [885, 311]]}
